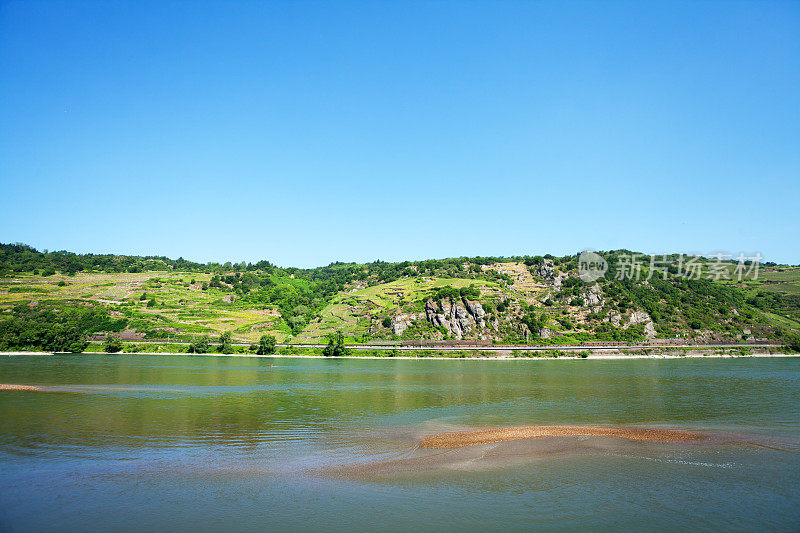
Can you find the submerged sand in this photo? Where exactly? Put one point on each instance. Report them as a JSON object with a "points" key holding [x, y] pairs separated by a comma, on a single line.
{"points": [[11, 386], [493, 435]]}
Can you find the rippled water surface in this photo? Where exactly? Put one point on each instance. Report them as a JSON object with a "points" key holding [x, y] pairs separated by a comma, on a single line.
{"points": [[143, 443]]}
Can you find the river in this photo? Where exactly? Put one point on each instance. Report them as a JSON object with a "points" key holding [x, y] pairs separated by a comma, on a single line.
{"points": [[183, 443]]}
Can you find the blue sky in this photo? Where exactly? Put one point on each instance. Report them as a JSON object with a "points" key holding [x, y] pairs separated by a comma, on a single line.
{"points": [[309, 132]]}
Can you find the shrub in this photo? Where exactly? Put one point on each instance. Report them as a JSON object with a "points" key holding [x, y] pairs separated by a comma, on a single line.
{"points": [[266, 345], [225, 345], [200, 345], [386, 322], [336, 346], [112, 345]]}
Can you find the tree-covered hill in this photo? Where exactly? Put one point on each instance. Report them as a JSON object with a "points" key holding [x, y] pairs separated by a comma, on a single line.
{"points": [[533, 299]]}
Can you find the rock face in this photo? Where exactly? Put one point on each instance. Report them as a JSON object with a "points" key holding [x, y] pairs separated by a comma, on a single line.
{"points": [[594, 298], [614, 318], [459, 317], [547, 271], [640, 317], [400, 323]]}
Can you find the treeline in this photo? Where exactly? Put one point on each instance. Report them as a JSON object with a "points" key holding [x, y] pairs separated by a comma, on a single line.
{"points": [[22, 258], [17, 258], [54, 329], [454, 293]]}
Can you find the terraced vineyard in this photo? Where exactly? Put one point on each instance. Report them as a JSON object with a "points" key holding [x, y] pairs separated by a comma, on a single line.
{"points": [[515, 300]]}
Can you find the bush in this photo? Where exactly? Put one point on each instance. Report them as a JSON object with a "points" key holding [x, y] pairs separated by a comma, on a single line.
{"points": [[225, 345], [266, 345], [151, 303], [336, 346], [576, 302], [112, 345], [200, 345], [386, 322], [62, 283]]}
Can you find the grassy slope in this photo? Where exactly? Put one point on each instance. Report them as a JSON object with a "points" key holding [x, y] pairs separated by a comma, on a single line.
{"points": [[180, 306], [185, 308], [353, 312]]}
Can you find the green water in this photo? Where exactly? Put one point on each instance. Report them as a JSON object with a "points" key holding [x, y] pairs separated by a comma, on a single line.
{"points": [[144, 443]]}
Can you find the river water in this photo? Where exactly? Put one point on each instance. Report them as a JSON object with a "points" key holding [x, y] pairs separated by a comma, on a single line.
{"points": [[182, 443]]}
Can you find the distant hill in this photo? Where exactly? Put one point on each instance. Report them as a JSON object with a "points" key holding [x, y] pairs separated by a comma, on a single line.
{"points": [[533, 299]]}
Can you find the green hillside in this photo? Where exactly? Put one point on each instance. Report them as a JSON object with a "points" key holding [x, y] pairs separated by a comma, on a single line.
{"points": [[539, 299]]}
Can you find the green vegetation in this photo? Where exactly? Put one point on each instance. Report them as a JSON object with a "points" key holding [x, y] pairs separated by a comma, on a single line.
{"points": [[225, 346], [112, 345], [53, 329], [525, 299], [336, 346], [266, 345], [200, 345]]}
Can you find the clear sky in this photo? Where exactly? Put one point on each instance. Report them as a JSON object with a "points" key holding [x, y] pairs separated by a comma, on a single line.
{"points": [[308, 132]]}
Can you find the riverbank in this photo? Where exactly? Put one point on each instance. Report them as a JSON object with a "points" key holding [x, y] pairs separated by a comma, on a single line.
{"points": [[536, 356]]}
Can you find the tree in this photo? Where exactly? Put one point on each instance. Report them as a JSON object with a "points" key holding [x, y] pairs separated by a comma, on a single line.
{"points": [[386, 322], [297, 323], [112, 344], [151, 303], [336, 346], [200, 345], [266, 345], [225, 345]]}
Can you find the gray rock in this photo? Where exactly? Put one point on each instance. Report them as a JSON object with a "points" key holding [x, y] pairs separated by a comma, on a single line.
{"points": [[640, 317], [459, 318], [475, 309], [400, 323], [614, 318], [593, 297]]}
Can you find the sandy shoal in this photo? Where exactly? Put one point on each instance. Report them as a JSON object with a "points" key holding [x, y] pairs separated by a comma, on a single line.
{"points": [[11, 386], [488, 436]]}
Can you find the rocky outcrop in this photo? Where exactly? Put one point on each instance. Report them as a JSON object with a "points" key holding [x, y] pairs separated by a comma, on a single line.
{"points": [[400, 323], [593, 296], [614, 318], [459, 317], [640, 317], [547, 271]]}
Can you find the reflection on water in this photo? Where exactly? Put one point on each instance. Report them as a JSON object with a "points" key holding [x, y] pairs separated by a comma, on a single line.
{"points": [[250, 441]]}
